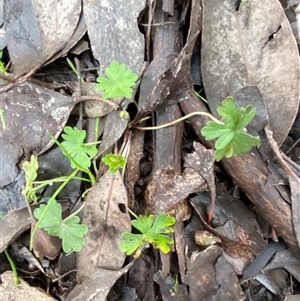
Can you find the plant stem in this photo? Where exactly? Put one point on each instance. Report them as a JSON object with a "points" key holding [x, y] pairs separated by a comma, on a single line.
{"points": [[132, 213], [75, 213], [56, 180], [93, 143], [12, 264], [176, 121], [74, 69], [96, 139], [97, 98], [198, 95], [49, 182], [13, 267]]}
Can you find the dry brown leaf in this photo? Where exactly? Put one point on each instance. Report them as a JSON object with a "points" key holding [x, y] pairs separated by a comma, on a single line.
{"points": [[114, 126], [210, 277], [250, 44], [36, 30], [167, 188], [98, 286], [113, 32], [46, 245], [202, 160], [106, 216], [10, 230], [10, 291], [31, 113], [132, 172]]}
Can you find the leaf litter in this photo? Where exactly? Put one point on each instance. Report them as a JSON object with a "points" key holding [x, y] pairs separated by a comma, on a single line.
{"points": [[169, 170]]}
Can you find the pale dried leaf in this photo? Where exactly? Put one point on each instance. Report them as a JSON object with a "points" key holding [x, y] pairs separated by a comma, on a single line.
{"points": [[10, 291], [106, 216], [250, 43], [31, 113], [113, 32], [98, 286], [167, 188], [36, 30], [10, 230]]}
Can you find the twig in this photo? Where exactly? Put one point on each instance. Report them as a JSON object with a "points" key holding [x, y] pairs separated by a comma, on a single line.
{"points": [[276, 150], [77, 63], [151, 8]]}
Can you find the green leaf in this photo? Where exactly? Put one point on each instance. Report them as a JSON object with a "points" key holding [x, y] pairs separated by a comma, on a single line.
{"points": [[244, 142], [213, 130], [229, 150], [131, 242], [69, 230], [162, 242], [247, 118], [114, 162], [162, 224], [143, 224], [50, 216], [228, 107], [71, 233], [76, 148], [154, 232], [232, 139], [220, 153], [119, 82], [224, 140], [30, 169]]}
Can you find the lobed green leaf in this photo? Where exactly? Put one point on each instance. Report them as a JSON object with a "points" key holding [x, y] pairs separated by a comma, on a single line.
{"points": [[114, 162], [119, 81], [232, 140], [74, 144], [143, 224], [50, 216], [131, 242], [162, 224], [224, 140], [213, 130], [30, 168], [71, 233], [153, 231], [221, 153], [246, 119]]}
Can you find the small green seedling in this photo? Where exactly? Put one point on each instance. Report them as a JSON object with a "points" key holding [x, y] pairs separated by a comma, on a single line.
{"points": [[154, 231], [232, 139], [114, 162], [30, 169], [175, 286], [74, 68], [199, 96], [50, 216], [119, 81]]}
